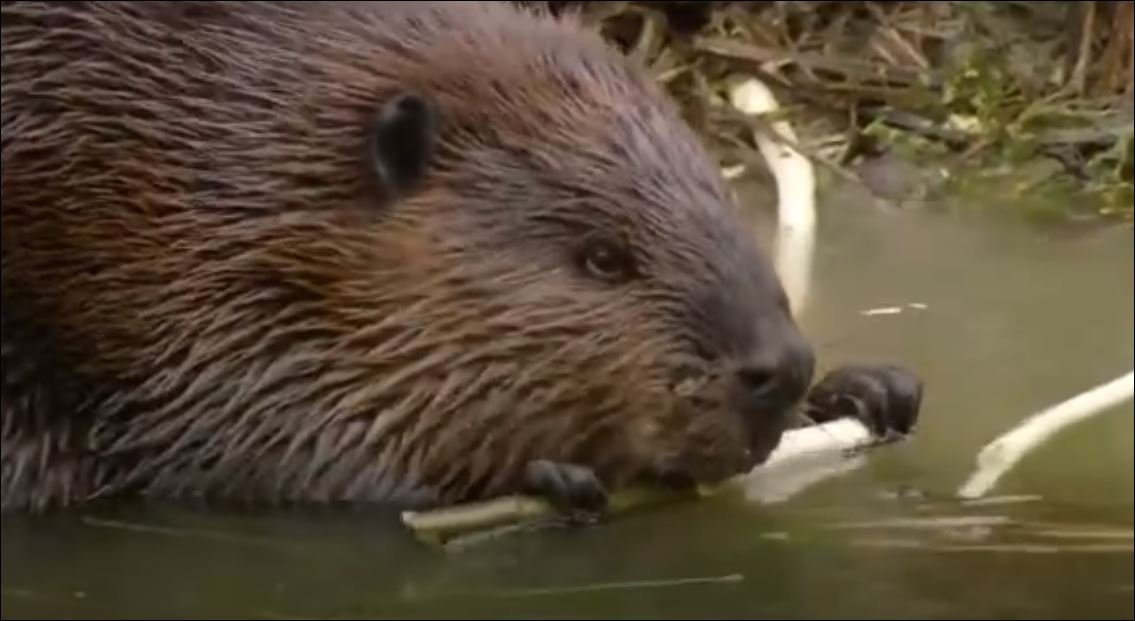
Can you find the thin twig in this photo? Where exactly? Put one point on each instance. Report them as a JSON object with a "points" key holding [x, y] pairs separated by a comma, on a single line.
{"points": [[1087, 32], [620, 586], [893, 34], [1019, 548], [167, 531], [756, 55], [519, 513]]}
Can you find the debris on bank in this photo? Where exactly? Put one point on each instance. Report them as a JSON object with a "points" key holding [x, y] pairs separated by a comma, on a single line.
{"points": [[988, 91]]}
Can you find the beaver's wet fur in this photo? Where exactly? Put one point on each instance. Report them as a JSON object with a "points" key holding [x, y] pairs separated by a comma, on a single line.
{"points": [[380, 252]]}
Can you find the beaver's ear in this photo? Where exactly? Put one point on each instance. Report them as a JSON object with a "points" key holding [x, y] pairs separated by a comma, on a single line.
{"points": [[402, 142]]}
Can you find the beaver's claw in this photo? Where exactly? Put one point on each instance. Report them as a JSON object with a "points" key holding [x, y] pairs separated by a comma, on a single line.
{"points": [[886, 398], [570, 488]]}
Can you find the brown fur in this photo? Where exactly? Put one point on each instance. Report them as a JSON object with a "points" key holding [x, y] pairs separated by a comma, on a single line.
{"points": [[206, 294]]}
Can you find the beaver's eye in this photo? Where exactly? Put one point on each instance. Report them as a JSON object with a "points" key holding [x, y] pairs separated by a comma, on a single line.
{"points": [[607, 260]]}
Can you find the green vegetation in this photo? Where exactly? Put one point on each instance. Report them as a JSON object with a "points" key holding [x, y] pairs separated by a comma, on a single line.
{"points": [[1027, 104]]}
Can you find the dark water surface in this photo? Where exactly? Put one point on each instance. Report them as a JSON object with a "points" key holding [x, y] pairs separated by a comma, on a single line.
{"points": [[1005, 321]]}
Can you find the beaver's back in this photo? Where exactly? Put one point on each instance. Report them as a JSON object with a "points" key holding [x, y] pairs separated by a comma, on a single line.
{"points": [[170, 95], [149, 144], [120, 117], [142, 141]]}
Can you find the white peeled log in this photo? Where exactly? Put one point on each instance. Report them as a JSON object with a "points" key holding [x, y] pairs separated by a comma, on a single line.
{"points": [[826, 439], [796, 190], [806, 457], [1003, 453]]}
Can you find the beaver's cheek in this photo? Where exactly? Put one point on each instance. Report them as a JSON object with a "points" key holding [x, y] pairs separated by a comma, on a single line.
{"points": [[712, 454], [763, 420], [702, 442], [764, 437]]}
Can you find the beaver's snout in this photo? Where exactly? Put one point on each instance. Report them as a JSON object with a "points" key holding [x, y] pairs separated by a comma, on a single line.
{"points": [[776, 376], [769, 381]]}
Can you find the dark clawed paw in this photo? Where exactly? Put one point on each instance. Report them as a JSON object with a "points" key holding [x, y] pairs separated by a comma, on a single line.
{"points": [[572, 489], [886, 398]]}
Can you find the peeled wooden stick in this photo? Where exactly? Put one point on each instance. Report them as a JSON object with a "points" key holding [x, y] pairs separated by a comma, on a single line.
{"points": [[439, 526], [798, 448], [802, 445], [806, 457], [796, 191], [1000, 455]]}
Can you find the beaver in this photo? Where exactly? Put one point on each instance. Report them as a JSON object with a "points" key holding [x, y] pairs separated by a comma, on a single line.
{"points": [[400, 253]]}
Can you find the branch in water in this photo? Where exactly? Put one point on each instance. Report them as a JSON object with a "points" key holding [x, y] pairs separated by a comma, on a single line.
{"points": [[1000, 455], [796, 190], [799, 450]]}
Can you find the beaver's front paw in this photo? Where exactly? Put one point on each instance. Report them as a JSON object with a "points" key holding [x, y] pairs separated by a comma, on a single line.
{"points": [[572, 489], [886, 398]]}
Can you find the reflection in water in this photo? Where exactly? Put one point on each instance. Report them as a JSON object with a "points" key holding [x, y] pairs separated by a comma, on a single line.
{"points": [[1000, 321]]}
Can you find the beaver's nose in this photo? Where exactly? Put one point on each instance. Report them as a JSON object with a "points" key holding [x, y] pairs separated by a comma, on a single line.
{"points": [[774, 376]]}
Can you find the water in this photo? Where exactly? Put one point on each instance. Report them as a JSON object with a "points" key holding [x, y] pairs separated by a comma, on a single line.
{"points": [[1014, 320]]}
